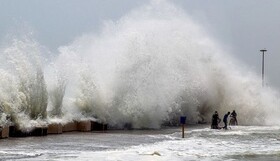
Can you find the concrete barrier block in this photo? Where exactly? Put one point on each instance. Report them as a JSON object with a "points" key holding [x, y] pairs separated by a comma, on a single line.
{"points": [[96, 126], [15, 132], [37, 131], [84, 126], [40, 131], [71, 126], [55, 128], [4, 132]]}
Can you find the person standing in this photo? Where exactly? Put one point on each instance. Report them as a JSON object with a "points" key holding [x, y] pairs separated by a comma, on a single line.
{"points": [[225, 120], [234, 115], [215, 120]]}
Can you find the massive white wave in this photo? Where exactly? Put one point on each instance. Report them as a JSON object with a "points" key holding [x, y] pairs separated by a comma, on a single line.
{"points": [[145, 69]]}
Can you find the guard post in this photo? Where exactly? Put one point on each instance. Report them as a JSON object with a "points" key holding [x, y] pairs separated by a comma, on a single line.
{"points": [[183, 122]]}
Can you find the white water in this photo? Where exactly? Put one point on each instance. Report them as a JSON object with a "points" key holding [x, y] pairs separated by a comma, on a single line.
{"points": [[148, 68], [240, 143], [248, 143]]}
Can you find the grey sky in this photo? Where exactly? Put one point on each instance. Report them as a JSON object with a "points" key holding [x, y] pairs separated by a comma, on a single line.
{"points": [[243, 27]]}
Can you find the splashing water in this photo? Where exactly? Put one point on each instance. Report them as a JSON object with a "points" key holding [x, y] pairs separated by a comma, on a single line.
{"points": [[26, 97], [148, 68]]}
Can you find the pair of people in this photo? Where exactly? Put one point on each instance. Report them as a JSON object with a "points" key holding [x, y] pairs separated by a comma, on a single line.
{"points": [[216, 120]]}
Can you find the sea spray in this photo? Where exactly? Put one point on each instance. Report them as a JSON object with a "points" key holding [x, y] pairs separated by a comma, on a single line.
{"points": [[146, 69], [57, 83], [56, 98], [156, 64], [7, 96], [29, 94], [88, 99]]}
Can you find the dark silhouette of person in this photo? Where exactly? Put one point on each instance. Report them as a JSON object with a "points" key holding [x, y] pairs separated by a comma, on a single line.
{"points": [[234, 115], [225, 120], [215, 120]]}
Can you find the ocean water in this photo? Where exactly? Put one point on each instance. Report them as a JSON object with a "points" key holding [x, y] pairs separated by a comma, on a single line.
{"points": [[200, 143], [153, 65]]}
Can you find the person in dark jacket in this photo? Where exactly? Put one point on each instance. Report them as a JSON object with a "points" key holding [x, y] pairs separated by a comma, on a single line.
{"points": [[215, 120], [233, 115], [225, 120]]}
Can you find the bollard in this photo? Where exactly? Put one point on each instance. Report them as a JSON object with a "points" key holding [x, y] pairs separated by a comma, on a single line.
{"points": [[183, 131], [183, 122]]}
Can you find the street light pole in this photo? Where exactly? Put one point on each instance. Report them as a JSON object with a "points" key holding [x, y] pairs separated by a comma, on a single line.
{"points": [[263, 51]]}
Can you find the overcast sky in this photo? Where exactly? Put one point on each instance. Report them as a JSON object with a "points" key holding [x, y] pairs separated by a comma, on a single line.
{"points": [[243, 27]]}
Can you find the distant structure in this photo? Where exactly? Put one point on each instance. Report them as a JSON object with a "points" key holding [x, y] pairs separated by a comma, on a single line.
{"points": [[263, 51]]}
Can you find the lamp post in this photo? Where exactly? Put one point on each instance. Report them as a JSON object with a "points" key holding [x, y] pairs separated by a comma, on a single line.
{"points": [[263, 51]]}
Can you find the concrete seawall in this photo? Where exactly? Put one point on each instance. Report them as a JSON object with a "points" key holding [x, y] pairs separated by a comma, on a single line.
{"points": [[53, 128]]}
